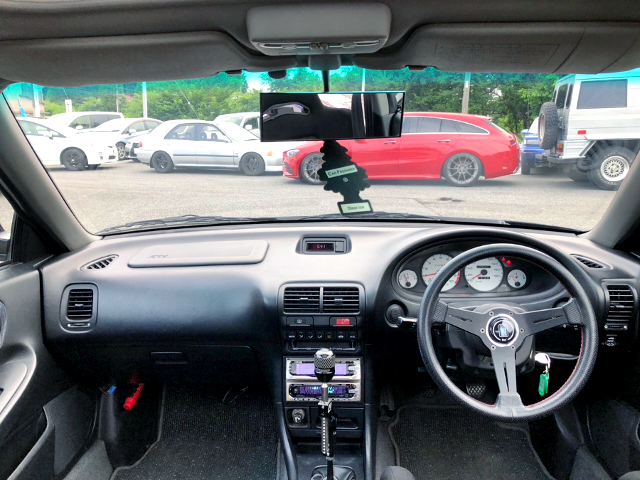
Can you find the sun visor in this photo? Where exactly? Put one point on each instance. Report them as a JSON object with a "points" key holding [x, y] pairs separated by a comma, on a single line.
{"points": [[515, 48], [125, 59]]}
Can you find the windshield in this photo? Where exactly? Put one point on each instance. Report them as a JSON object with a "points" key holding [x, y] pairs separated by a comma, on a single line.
{"points": [[460, 155]]}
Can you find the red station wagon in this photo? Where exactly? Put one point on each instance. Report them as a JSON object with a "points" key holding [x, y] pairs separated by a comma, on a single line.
{"points": [[455, 146]]}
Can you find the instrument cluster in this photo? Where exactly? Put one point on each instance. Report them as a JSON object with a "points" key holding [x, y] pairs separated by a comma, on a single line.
{"points": [[489, 275]]}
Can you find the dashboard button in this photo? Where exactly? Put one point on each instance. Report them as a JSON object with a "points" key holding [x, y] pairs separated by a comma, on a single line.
{"points": [[299, 321], [319, 335], [343, 321], [330, 336], [353, 335], [341, 336], [311, 335], [301, 334], [291, 334]]}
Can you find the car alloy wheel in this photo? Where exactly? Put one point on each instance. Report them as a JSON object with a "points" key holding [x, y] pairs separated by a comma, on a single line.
{"points": [[252, 164], [121, 151], [462, 169], [309, 168], [614, 168]]}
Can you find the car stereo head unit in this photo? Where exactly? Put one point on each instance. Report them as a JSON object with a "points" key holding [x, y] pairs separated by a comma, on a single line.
{"points": [[302, 385]]}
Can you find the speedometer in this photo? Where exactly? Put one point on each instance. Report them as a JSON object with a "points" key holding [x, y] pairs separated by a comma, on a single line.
{"points": [[484, 275], [432, 265]]}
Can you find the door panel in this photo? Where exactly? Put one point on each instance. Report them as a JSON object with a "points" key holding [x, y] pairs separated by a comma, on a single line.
{"points": [[184, 148], [25, 362], [424, 147], [378, 156], [214, 148]]}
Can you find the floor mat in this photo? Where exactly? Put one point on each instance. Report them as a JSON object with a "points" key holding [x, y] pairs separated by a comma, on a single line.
{"points": [[448, 443], [208, 432]]}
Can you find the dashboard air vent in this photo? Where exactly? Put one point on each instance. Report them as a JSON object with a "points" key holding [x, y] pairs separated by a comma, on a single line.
{"points": [[302, 300], [341, 300], [588, 262], [100, 263], [621, 303], [80, 304]]}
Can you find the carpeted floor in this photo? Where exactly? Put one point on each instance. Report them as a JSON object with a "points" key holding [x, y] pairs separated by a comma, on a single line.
{"points": [[450, 443], [203, 437]]}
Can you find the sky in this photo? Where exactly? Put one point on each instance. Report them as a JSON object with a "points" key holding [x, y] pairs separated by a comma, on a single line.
{"points": [[253, 79]]}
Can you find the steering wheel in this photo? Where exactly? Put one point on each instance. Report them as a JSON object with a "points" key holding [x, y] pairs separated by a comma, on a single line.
{"points": [[503, 329]]}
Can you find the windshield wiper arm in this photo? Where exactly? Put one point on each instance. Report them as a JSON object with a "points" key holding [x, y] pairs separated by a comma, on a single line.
{"points": [[182, 220]]}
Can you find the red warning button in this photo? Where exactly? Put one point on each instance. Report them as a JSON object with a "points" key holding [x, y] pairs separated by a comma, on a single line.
{"points": [[343, 321]]}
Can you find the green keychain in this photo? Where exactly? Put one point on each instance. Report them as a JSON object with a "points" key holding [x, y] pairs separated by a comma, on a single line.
{"points": [[543, 386]]}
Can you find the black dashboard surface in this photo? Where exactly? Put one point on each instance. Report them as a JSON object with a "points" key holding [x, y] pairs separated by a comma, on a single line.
{"points": [[237, 305]]}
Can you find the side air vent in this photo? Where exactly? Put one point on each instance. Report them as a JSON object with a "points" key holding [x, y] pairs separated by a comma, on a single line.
{"points": [[341, 300], [588, 262], [79, 306], [302, 300], [100, 263], [621, 302]]}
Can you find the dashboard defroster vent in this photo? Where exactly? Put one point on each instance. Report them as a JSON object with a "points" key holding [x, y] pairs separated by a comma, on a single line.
{"points": [[100, 263], [302, 300], [80, 304], [621, 303], [588, 262], [341, 300]]}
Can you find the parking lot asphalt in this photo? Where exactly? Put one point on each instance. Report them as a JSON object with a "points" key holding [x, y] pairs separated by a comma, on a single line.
{"points": [[124, 192]]}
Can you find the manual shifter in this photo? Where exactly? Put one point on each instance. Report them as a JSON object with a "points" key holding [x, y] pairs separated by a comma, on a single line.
{"points": [[325, 365]]}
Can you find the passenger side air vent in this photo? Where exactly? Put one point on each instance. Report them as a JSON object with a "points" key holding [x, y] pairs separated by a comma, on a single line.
{"points": [[79, 306], [302, 300], [621, 303], [588, 262], [341, 300], [100, 263]]}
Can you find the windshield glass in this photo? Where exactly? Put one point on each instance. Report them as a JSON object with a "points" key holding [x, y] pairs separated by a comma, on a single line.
{"points": [[461, 154]]}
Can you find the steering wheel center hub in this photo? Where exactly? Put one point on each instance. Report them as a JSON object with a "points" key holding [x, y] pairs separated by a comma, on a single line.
{"points": [[502, 330]]}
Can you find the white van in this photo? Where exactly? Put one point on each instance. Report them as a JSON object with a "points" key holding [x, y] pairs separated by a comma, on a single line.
{"points": [[594, 124], [84, 120]]}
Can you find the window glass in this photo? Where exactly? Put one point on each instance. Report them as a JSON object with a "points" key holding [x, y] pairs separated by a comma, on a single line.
{"points": [[113, 117], [253, 122], [567, 103], [448, 126], [97, 120], [468, 128], [561, 96], [186, 131], [81, 121], [209, 133], [137, 126], [603, 94], [151, 124], [428, 125], [410, 125]]}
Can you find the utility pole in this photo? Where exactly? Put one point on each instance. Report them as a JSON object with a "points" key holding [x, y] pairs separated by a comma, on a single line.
{"points": [[465, 93], [363, 74], [117, 102], [144, 99], [36, 102]]}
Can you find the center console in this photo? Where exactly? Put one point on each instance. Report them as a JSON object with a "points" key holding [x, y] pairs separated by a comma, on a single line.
{"points": [[314, 317]]}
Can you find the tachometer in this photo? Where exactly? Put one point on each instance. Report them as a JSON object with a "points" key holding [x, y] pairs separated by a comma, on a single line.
{"points": [[408, 278], [516, 278], [432, 265], [484, 275]]}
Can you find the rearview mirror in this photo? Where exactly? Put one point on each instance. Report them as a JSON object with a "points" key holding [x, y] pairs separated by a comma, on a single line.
{"points": [[330, 116]]}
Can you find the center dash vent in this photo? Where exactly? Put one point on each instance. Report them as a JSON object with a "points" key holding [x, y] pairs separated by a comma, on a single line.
{"points": [[621, 303], [341, 300], [100, 263], [588, 262], [302, 300]]}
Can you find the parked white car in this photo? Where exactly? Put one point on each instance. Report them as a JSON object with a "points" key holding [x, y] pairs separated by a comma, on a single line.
{"points": [[593, 126], [247, 120], [197, 143], [118, 132], [84, 120], [60, 145]]}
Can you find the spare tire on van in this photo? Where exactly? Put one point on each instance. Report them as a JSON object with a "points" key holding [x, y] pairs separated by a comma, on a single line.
{"points": [[548, 125]]}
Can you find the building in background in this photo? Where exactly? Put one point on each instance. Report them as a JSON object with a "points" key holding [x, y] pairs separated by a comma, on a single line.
{"points": [[25, 100]]}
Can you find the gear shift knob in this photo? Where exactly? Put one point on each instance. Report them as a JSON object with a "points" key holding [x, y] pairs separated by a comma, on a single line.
{"points": [[325, 364]]}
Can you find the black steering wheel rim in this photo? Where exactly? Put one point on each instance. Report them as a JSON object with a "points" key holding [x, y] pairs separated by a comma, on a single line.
{"points": [[579, 311]]}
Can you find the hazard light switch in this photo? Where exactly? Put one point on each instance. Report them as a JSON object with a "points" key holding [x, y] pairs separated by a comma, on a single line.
{"points": [[343, 321]]}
